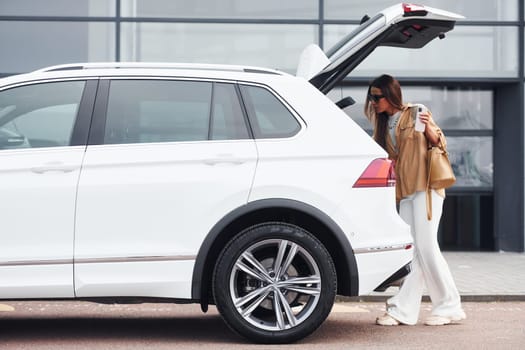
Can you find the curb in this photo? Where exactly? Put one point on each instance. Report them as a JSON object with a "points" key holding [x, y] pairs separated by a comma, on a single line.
{"points": [[426, 298]]}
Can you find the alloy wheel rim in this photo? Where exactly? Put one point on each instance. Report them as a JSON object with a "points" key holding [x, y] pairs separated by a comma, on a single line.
{"points": [[275, 284]]}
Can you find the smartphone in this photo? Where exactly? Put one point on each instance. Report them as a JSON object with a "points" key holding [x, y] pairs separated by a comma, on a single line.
{"points": [[419, 126]]}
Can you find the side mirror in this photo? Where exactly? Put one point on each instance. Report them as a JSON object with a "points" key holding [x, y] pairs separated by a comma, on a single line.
{"points": [[345, 102]]}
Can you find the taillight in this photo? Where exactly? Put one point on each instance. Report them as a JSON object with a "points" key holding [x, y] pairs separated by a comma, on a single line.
{"points": [[414, 10], [380, 173]]}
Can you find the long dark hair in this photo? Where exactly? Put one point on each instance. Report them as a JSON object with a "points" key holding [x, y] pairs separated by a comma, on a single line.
{"points": [[391, 89]]}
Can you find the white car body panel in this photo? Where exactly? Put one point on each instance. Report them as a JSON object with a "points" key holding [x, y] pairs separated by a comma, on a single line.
{"points": [[379, 245], [36, 281], [311, 61], [353, 209], [162, 279], [328, 141], [38, 202], [154, 200]]}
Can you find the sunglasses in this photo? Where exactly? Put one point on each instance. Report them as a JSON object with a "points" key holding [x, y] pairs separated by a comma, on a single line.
{"points": [[375, 98]]}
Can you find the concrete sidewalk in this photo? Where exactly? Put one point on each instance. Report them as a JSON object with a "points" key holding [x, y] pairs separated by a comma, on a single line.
{"points": [[495, 275], [479, 276]]}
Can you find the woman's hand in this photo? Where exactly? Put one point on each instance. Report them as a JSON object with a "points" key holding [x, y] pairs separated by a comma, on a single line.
{"points": [[429, 132]]}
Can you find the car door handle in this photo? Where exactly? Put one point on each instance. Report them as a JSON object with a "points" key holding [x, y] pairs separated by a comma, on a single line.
{"points": [[224, 159], [53, 166]]}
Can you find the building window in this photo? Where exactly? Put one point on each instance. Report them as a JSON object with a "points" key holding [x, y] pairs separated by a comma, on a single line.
{"points": [[481, 10], [217, 43], [275, 9], [34, 45], [74, 8]]}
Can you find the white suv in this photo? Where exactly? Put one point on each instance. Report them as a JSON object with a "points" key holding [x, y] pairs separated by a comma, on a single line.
{"points": [[242, 187]]}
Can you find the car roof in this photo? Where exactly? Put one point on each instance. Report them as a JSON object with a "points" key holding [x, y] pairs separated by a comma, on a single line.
{"points": [[148, 69]]}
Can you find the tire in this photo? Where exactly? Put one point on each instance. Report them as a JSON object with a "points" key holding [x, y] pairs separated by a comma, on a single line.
{"points": [[269, 267]]}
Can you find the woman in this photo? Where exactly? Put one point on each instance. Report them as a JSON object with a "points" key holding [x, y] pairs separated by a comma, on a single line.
{"points": [[393, 123]]}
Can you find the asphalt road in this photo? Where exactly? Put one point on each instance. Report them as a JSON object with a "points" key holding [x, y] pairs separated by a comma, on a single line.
{"points": [[83, 325]]}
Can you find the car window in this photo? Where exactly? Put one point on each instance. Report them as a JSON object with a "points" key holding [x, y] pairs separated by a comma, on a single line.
{"points": [[141, 111], [157, 111], [227, 118], [269, 117], [39, 115]]}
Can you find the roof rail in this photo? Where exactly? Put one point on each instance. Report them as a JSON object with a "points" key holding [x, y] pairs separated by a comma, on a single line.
{"points": [[157, 65]]}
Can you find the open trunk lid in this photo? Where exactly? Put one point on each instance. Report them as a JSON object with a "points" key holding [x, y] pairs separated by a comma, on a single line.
{"points": [[402, 25]]}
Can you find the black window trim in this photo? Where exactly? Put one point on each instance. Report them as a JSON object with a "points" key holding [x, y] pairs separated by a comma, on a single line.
{"points": [[244, 110], [98, 124], [211, 112], [80, 134]]}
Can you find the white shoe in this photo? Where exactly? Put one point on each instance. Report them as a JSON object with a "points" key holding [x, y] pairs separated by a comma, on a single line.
{"points": [[387, 320], [436, 320]]}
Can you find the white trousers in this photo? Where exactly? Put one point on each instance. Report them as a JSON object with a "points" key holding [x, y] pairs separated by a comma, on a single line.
{"points": [[428, 266]]}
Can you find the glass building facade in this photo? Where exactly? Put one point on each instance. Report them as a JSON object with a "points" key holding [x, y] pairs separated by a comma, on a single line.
{"points": [[473, 81]]}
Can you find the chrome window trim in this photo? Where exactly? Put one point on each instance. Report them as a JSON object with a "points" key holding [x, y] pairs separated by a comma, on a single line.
{"points": [[44, 81], [380, 249], [168, 77], [106, 260]]}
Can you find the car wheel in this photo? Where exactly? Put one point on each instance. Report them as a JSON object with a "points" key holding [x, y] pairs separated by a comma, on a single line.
{"points": [[274, 283]]}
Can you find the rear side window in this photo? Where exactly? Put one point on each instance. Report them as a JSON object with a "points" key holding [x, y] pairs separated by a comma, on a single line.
{"points": [[39, 115], [142, 111], [227, 118], [269, 117]]}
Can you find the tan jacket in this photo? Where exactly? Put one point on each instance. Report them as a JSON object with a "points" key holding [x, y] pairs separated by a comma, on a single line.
{"points": [[411, 155]]}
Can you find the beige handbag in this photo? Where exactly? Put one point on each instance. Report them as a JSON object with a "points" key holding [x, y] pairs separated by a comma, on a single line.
{"points": [[440, 173]]}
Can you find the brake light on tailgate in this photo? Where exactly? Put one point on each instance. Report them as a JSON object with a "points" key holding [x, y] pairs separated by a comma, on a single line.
{"points": [[379, 173], [414, 10]]}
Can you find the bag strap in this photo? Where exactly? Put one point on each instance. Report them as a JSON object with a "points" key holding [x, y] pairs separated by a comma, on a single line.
{"points": [[428, 189], [430, 153]]}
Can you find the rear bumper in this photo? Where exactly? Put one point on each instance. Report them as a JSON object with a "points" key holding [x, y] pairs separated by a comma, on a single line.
{"points": [[382, 268], [395, 279]]}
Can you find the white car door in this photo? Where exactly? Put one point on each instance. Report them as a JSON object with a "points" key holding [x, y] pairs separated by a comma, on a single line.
{"points": [[157, 181], [42, 144]]}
